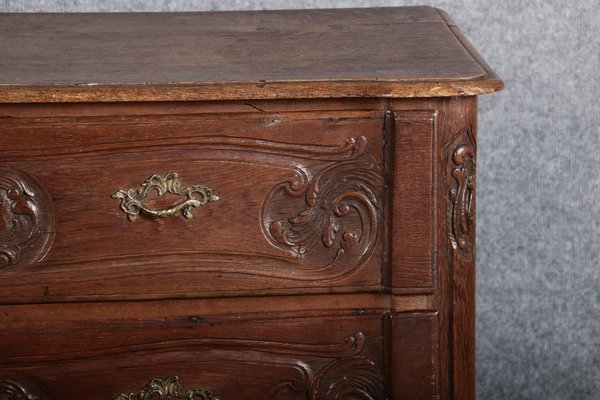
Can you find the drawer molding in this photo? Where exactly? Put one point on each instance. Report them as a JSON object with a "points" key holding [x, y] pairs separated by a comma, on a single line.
{"points": [[132, 201], [352, 345], [27, 220], [326, 370]]}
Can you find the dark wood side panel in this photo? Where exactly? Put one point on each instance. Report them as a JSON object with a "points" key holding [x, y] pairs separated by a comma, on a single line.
{"points": [[413, 255]]}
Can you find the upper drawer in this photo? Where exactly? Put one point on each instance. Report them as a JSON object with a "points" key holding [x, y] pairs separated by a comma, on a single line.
{"points": [[253, 203]]}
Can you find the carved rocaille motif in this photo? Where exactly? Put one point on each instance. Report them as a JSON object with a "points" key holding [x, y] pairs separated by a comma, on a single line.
{"points": [[27, 222], [21, 389], [349, 374], [347, 378], [352, 184], [462, 192], [168, 388]]}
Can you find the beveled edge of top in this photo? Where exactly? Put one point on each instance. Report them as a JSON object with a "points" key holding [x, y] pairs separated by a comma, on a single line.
{"points": [[490, 82]]}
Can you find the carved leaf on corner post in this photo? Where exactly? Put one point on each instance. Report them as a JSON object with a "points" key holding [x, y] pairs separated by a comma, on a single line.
{"points": [[351, 185], [462, 193], [27, 222]]}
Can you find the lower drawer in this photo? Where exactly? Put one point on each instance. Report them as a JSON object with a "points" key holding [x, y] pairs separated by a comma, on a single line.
{"points": [[315, 357], [320, 347]]}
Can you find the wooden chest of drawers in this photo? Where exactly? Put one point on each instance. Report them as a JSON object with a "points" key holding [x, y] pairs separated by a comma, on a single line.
{"points": [[234, 206]]}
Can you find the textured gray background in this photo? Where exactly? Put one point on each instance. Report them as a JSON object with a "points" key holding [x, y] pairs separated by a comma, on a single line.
{"points": [[538, 327]]}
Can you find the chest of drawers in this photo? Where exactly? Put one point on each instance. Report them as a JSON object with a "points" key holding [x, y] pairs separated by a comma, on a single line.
{"points": [[241, 205]]}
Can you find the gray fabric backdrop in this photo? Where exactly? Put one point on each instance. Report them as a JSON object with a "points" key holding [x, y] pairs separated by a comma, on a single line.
{"points": [[538, 327]]}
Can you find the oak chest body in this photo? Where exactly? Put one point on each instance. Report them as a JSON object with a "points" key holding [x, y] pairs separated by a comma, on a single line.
{"points": [[241, 205]]}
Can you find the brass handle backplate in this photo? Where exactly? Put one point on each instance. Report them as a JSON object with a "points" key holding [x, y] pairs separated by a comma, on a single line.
{"points": [[132, 201], [167, 388]]}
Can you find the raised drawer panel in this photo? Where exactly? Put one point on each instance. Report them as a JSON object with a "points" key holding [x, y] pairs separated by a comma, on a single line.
{"points": [[237, 349], [289, 358], [299, 205]]}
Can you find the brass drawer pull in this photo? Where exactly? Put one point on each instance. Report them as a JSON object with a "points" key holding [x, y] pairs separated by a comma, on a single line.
{"points": [[132, 202], [167, 388]]}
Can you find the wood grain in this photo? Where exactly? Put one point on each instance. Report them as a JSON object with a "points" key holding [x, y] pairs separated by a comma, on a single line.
{"points": [[268, 169], [414, 249], [461, 257], [454, 270], [168, 123], [456, 294], [413, 356], [235, 55], [292, 358]]}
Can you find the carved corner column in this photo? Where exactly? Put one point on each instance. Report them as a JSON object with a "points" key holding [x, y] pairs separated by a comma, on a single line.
{"points": [[433, 248], [457, 230]]}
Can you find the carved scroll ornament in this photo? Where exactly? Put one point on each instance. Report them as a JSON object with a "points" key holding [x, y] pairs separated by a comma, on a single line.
{"points": [[350, 186], [348, 378], [462, 193], [27, 221]]}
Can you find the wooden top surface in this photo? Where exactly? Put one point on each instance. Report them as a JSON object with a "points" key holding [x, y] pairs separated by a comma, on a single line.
{"points": [[376, 52]]}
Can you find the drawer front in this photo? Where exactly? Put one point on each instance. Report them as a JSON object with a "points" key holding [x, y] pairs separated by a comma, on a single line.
{"points": [[290, 358], [323, 347], [252, 203]]}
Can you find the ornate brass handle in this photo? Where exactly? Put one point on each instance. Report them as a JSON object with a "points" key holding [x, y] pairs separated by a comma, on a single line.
{"points": [[167, 388], [132, 202]]}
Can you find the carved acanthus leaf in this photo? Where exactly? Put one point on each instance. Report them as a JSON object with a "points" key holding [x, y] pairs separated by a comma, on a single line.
{"points": [[348, 378], [351, 186], [462, 193]]}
